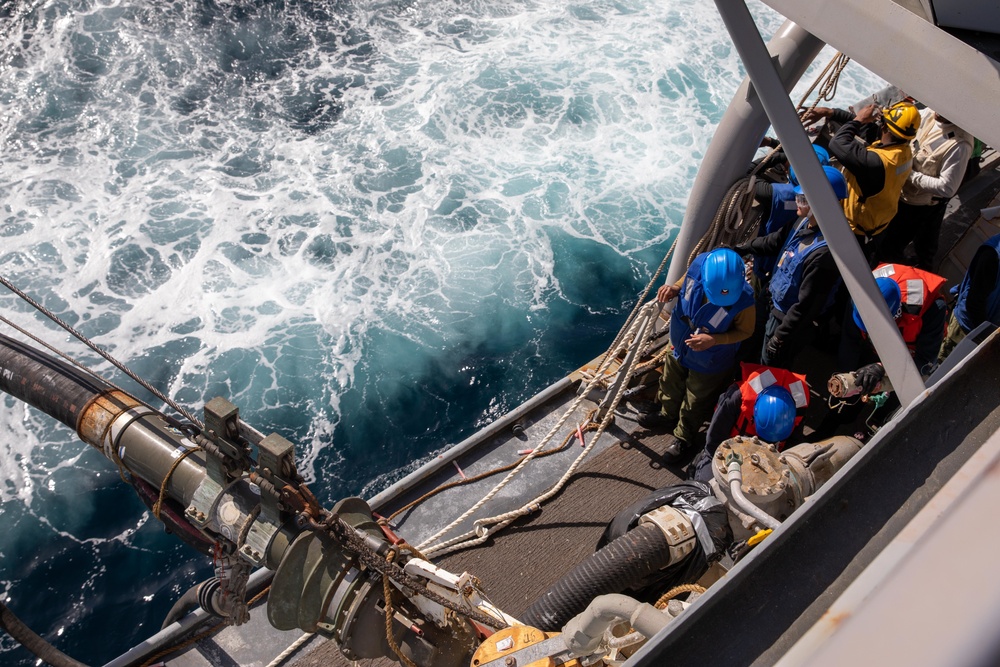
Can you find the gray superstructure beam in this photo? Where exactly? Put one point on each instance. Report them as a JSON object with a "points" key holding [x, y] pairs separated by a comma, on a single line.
{"points": [[928, 63], [843, 244], [736, 140]]}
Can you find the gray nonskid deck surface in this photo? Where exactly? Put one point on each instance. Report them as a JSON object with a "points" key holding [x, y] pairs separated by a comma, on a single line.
{"points": [[503, 450], [531, 554]]}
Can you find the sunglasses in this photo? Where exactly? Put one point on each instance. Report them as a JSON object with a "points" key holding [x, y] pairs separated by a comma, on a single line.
{"points": [[801, 200]]}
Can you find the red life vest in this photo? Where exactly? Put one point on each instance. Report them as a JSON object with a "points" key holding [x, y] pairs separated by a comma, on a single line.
{"points": [[756, 379], [918, 289]]}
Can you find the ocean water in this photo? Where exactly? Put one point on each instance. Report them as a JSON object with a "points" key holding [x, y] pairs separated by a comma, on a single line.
{"points": [[374, 226]]}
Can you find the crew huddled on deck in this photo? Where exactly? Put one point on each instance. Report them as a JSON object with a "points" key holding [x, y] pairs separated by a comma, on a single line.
{"points": [[894, 168]]}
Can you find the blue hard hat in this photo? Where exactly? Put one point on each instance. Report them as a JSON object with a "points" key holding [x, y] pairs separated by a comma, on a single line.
{"points": [[774, 414], [836, 180], [821, 154], [723, 276], [893, 299]]}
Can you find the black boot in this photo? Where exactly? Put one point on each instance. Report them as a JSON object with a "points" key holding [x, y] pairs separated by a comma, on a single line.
{"points": [[676, 450], [656, 421]]}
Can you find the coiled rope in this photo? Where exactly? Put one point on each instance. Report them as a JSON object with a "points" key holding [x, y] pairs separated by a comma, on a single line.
{"points": [[638, 334], [830, 78]]}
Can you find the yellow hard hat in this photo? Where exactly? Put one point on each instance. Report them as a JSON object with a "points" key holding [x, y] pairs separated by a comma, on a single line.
{"points": [[902, 119]]}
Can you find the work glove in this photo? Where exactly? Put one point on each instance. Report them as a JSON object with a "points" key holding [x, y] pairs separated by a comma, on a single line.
{"points": [[868, 377], [773, 348], [741, 250]]}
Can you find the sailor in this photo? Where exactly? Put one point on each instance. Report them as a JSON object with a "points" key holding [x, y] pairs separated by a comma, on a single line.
{"points": [[781, 198], [882, 98], [978, 296], [714, 312], [914, 298], [875, 173], [941, 152], [768, 403], [804, 280], [782, 213]]}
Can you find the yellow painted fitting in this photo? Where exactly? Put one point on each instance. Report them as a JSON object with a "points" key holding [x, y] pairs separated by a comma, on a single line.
{"points": [[506, 641], [759, 537]]}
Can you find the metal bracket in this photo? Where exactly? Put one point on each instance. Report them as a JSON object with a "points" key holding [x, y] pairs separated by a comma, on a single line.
{"points": [[222, 427], [276, 464]]}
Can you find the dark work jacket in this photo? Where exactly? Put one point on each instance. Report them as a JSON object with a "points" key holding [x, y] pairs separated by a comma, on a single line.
{"points": [[819, 277], [979, 291], [782, 214]]}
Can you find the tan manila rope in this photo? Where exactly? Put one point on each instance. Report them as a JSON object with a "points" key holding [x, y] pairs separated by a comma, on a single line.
{"points": [[678, 590], [292, 648], [481, 532], [166, 480], [426, 544], [634, 637], [730, 215], [640, 303], [832, 79], [585, 428], [390, 612]]}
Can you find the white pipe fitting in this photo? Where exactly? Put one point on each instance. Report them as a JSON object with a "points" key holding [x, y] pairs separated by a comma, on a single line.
{"points": [[583, 632], [735, 479]]}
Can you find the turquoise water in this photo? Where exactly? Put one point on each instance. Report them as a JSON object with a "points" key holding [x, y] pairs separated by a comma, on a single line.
{"points": [[375, 227]]}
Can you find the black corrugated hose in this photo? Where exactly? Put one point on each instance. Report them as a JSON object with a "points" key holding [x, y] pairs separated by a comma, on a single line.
{"points": [[29, 640], [622, 564]]}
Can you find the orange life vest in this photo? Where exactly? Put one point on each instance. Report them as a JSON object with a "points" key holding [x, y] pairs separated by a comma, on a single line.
{"points": [[918, 289], [757, 378]]}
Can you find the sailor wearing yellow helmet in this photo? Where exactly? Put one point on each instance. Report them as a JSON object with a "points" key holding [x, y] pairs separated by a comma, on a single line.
{"points": [[875, 173]]}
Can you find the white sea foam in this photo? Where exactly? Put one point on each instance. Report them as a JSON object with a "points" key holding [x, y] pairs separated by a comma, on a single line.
{"points": [[262, 207], [153, 208]]}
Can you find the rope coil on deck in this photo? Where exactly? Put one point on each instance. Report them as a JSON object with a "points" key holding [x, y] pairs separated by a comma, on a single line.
{"points": [[638, 334]]}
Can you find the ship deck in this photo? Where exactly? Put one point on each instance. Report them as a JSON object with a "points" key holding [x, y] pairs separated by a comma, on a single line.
{"points": [[519, 563], [523, 560], [533, 553]]}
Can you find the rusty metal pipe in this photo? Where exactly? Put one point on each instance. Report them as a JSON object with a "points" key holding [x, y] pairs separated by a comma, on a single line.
{"points": [[118, 424], [53, 386]]}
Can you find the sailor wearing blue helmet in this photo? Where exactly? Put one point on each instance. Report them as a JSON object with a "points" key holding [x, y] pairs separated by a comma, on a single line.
{"points": [[781, 198], [713, 314], [804, 280], [768, 403]]}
